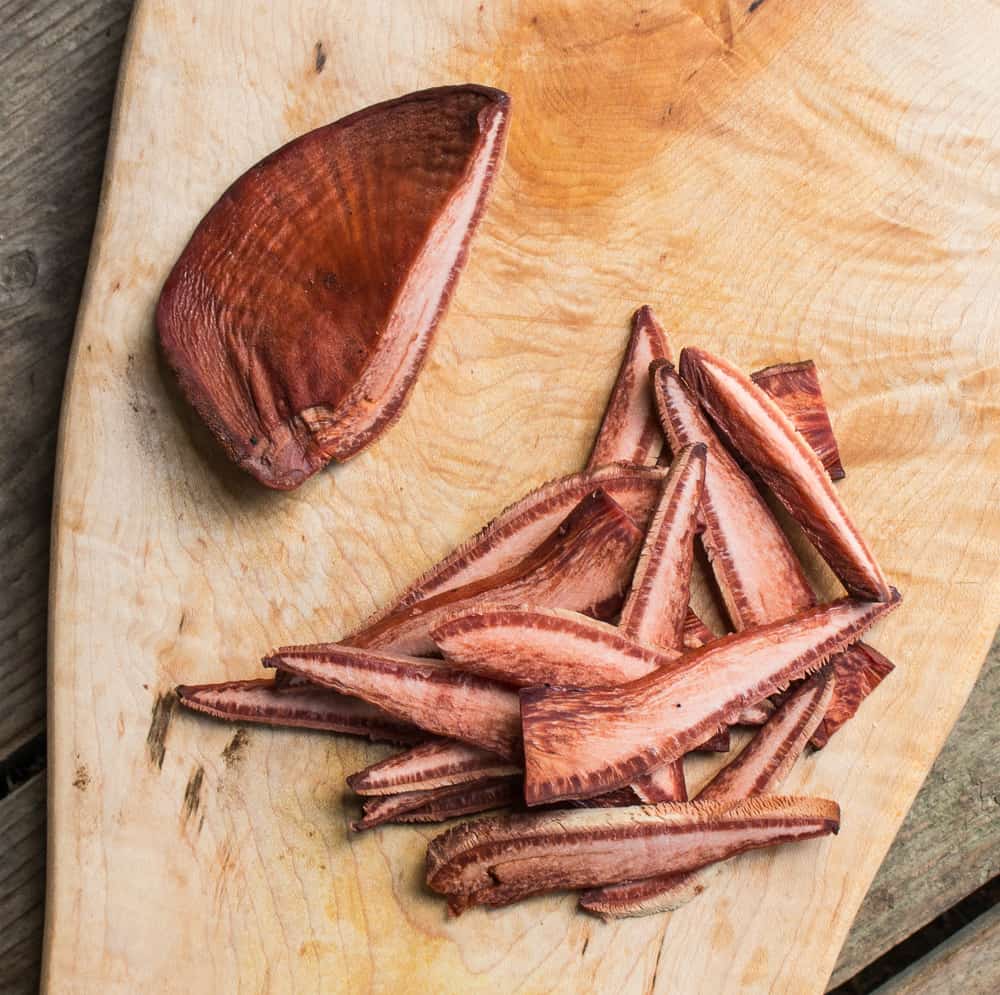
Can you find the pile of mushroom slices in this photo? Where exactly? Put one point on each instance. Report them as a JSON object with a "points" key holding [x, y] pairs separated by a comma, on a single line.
{"points": [[552, 664]]}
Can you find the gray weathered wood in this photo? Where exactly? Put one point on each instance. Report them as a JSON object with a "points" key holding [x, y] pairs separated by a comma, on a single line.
{"points": [[22, 886], [968, 963], [58, 61], [949, 844]]}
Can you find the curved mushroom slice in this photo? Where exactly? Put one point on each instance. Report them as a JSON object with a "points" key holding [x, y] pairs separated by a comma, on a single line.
{"points": [[585, 565], [760, 431], [472, 799], [795, 388], [302, 706], [529, 646], [427, 693], [437, 763], [762, 766], [755, 567], [629, 430], [299, 314], [657, 604], [439, 804], [759, 769], [656, 608], [581, 743], [497, 861], [858, 671], [518, 530]]}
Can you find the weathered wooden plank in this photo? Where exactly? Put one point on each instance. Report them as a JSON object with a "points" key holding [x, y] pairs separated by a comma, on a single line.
{"points": [[968, 963], [58, 62], [949, 844], [22, 886]]}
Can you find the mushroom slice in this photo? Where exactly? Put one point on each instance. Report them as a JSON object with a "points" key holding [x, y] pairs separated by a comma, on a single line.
{"points": [[795, 388], [629, 430], [305, 706], [582, 743], [439, 804], [529, 646], [657, 605], [300, 313], [521, 528], [585, 565], [437, 763], [499, 860], [426, 693], [761, 432]]}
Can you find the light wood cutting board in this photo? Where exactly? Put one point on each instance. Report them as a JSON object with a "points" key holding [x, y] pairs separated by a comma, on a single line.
{"points": [[783, 181]]}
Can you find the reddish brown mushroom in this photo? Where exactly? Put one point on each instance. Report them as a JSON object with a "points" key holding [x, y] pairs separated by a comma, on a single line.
{"points": [[302, 309]]}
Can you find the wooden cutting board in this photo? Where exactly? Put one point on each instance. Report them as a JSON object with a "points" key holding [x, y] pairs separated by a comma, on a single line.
{"points": [[781, 181]]}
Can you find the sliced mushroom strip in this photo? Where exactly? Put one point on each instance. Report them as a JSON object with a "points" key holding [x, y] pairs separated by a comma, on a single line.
{"points": [[303, 706], [585, 565], [497, 861], [760, 431], [629, 430], [434, 764], [760, 768], [427, 693], [795, 388], [519, 530], [656, 608], [657, 604], [439, 804], [528, 646], [858, 671], [437, 763], [581, 743]]}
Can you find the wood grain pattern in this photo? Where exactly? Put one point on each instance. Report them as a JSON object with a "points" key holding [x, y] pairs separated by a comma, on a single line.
{"points": [[965, 964], [656, 155]]}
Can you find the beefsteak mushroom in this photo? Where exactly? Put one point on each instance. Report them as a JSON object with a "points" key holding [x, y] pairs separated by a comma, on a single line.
{"points": [[300, 313]]}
